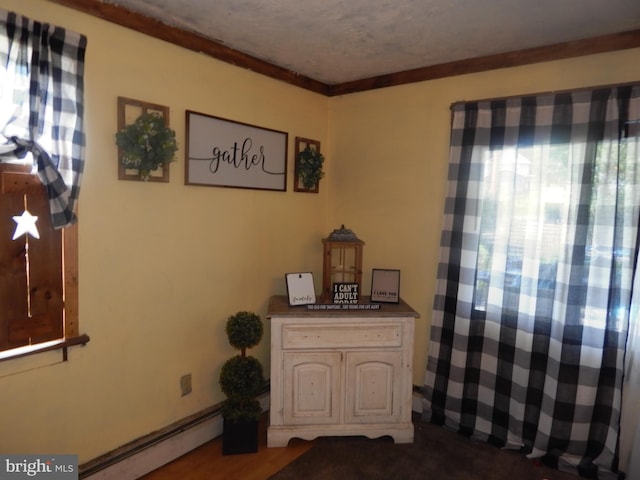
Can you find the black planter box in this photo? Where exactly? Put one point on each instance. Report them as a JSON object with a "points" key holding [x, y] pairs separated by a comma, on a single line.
{"points": [[239, 437]]}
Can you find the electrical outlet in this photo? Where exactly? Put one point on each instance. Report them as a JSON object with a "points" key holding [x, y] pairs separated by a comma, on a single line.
{"points": [[185, 384]]}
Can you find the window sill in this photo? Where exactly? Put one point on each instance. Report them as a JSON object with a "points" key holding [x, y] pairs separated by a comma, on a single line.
{"points": [[62, 344]]}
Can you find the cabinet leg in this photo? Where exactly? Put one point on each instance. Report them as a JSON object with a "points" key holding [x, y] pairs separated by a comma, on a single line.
{"points": [[277, 439]]}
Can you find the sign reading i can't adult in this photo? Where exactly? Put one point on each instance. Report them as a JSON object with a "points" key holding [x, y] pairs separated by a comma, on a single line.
{"points": [[345, 293], [225, 153]]}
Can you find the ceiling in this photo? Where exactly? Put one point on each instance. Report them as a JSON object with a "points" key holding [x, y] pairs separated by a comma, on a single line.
{"points": [[337, 41]]}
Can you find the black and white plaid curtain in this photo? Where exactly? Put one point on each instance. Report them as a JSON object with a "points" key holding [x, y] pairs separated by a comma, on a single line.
{"points": [[41, 106], [538, 252]]}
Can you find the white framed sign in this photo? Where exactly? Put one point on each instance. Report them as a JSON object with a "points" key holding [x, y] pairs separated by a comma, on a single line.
{"points": [[385, 285], [225, 153], [300, 288]]}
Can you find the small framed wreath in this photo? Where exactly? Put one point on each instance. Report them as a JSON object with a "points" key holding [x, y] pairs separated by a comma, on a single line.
{"points": [[147, 144], [308, 166]]}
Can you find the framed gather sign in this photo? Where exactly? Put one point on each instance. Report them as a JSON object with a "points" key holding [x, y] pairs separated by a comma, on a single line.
{"points": [[225, 153]]}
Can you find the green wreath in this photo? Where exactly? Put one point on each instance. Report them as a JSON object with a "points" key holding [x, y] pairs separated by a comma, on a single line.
{"points": [[146, 144], [309, 167]]}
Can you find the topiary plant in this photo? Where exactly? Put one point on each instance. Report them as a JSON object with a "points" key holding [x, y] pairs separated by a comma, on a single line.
{"points": [[242, 376]]}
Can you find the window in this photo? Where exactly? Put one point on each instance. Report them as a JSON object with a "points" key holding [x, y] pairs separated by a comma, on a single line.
{"points": [[526, 220], [529, 202], [38, 286], [41, 164], [539, 247]]}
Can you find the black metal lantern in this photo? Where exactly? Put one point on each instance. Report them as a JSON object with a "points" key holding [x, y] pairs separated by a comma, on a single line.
{"points": [[342, 261]]}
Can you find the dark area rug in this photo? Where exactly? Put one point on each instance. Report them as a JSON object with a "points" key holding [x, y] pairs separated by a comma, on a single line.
{"points": [[435, 454]]}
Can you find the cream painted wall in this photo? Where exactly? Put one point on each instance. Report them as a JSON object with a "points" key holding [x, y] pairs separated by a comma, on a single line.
{"points": [[389, 153], [162, 266]]}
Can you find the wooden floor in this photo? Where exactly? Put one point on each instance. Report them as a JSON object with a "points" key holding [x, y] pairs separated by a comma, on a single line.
{"points": [[207, 462]]}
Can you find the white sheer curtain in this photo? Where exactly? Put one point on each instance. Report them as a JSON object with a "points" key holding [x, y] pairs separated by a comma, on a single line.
{"points": [[630, 428]]}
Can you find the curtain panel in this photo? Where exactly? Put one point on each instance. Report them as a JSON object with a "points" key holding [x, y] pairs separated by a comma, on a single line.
{"points": [[42, 106], [630, 424], [538, 250]]}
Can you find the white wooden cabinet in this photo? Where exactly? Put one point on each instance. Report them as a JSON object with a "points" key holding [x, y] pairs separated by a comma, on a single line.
{"points": [[340, 372]]}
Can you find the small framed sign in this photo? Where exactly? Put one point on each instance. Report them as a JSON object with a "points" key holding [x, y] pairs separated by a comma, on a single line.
{"points": [[345, 293], [300, 288], [385, 285]]}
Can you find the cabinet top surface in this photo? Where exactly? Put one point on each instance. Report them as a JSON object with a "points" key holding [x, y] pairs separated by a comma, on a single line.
{"points": [[279, 307]]}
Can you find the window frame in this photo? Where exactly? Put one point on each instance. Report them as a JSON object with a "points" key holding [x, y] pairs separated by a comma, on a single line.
{"points": [[70, 311]]}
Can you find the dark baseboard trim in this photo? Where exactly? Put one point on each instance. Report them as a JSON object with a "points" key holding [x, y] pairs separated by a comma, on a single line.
{"points": [[147, 441], [132, 448]]}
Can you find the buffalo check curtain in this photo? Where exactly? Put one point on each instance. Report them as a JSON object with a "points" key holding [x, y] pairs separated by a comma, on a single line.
{"points": [[538, 252], [630, 424], [41, 106]]}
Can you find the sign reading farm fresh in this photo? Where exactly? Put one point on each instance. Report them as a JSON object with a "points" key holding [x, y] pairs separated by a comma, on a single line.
{"points": [[224, 153]]}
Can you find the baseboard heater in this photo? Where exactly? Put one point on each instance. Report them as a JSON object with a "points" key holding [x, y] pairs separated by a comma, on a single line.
{"points": [[148, 453]]}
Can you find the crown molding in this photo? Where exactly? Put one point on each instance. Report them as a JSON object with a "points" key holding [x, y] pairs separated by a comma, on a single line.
{"points": [[191, 41], [578, 48]]}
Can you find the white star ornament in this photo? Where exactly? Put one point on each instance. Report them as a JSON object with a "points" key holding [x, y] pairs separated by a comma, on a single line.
{"points": [[26, 224]]}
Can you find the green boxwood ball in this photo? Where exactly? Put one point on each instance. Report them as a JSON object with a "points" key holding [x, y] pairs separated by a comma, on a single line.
{"points": [[244, 330], [241, 378]]}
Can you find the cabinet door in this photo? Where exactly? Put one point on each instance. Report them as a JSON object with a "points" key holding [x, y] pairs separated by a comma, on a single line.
{"points": [[311, 384], [374, 387]]}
